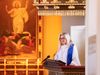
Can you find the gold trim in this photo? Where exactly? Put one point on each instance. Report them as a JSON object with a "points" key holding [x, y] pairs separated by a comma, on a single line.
{"points": [[61, 12]]}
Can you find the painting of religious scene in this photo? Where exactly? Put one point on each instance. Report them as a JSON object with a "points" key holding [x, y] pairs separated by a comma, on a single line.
{"points": [[18, 25]]}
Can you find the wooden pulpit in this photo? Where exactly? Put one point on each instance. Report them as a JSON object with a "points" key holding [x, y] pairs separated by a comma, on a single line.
{"points": [[59, 68]]}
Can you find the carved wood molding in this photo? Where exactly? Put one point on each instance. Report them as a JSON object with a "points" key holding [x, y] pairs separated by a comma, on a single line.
{"points": [[60, 7]]}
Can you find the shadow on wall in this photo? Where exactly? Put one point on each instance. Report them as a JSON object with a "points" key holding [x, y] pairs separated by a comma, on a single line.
{"points": [[92, 44], [92, 55]]}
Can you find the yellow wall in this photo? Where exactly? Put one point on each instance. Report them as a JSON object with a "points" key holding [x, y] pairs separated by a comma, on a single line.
{"points": [[52, 29]]}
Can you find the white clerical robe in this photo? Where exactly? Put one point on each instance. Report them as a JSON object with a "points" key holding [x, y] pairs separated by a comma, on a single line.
{"points": [[62, 55]]}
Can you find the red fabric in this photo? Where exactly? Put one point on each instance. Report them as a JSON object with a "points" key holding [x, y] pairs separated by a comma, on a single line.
{"points": [[2, 45]]}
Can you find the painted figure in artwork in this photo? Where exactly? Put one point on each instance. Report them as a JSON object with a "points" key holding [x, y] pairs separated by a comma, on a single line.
{"points": [[19, 15]]}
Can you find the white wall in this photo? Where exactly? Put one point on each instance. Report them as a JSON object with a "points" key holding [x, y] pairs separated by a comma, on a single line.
{"points": [[67, 21], [91, 17], [78, 37]]}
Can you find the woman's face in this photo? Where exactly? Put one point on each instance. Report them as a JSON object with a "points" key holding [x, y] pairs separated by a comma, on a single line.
{"points": [[63, 40]]}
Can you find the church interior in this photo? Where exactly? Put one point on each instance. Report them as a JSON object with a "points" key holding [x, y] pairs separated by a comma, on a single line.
{"points": [[29, 31]]}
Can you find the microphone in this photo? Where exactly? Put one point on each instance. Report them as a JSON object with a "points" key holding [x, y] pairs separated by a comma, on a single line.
{"points": [[46, 58]]}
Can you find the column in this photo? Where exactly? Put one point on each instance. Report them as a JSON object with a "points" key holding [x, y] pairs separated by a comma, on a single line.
{"points": [[98, 37], [91, 23]]}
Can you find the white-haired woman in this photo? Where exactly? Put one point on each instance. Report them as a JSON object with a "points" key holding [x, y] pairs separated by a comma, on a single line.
{"points": [[67, 51]]}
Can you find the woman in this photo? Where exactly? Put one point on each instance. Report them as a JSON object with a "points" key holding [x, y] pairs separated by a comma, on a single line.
{"points": [[67, 51]]}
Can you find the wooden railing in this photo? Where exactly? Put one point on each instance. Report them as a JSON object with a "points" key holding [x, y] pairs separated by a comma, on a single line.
{"points": [[20, 67]]}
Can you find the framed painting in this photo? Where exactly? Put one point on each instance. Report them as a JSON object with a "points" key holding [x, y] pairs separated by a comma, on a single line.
{"points": [[19, 25]]}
